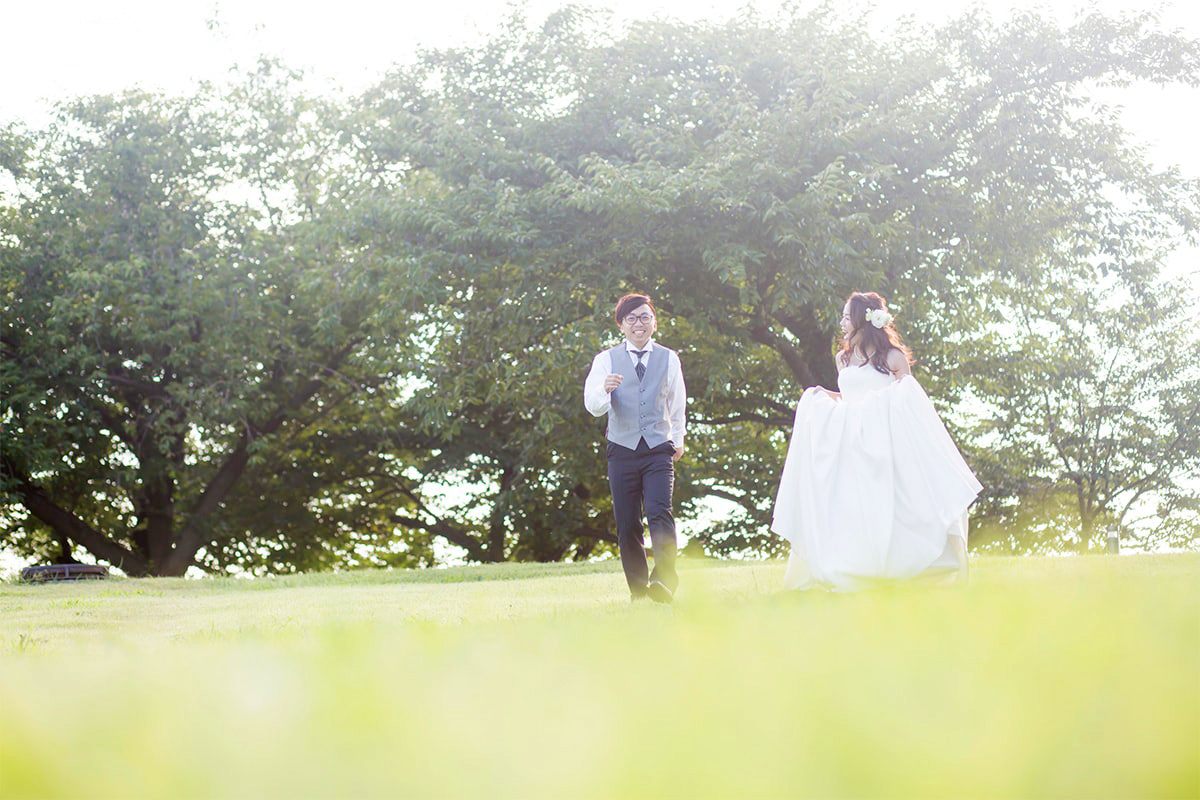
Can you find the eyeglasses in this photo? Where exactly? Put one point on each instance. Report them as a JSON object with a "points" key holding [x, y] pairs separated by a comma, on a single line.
{"points": [[642, 318]]}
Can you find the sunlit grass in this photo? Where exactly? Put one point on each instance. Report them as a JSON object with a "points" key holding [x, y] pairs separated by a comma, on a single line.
{"points": [[1072, 677]]}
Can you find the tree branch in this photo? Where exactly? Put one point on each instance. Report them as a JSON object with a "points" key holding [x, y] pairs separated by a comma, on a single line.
{"points": [[191, 537], [795, 361], [64, 523], [744, 500], [142, 387], [594, 532], [748, 416], [449, 532], [116, 425]]}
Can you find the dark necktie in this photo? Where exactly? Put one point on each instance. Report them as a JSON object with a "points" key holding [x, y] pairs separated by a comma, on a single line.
{"points": [[641, 368]]}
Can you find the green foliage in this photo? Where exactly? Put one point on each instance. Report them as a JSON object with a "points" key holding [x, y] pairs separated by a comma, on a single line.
{"points": [[1094, 409], [748, 175], [190, 324], [254, 329]]}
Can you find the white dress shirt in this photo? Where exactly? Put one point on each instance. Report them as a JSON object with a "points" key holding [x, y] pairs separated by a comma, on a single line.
{"points": [[598, 402]]}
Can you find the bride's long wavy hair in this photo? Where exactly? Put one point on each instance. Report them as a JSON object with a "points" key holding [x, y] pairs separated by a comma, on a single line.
{"points": [[864, 338]]}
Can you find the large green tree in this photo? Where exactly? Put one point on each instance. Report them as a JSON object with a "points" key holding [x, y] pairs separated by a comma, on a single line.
{"points": [[748, 175], [192, 335], [1093, 419]]}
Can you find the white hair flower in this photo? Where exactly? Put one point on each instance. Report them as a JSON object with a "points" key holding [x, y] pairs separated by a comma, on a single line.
{"points": [[878, 317]]}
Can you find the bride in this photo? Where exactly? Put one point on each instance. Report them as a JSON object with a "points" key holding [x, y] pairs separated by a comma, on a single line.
{"points": [[873, 488]]}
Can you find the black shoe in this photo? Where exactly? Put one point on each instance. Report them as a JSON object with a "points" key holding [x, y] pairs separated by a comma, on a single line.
{"points": [[659, 592]]}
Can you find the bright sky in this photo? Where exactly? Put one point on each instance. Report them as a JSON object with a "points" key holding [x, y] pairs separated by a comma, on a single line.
{"points": [[65, 48], [68, 47]]}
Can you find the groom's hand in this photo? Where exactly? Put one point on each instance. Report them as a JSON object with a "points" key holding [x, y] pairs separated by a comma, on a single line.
{"points": [[678, 454], [611, 382]]}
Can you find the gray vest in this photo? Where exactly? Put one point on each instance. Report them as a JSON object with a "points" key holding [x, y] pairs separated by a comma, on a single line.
{"points": [[639, 408]]}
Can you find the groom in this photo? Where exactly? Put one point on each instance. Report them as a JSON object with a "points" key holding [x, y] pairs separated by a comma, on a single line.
{"points": [[639, 384]]}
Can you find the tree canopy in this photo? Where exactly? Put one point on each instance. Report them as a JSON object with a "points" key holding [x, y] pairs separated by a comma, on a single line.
{"points": [[184, 323], [255, 328]]}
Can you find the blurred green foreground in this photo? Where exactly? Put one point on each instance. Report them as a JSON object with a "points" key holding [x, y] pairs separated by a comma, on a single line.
{"points": [[1069, 677]]}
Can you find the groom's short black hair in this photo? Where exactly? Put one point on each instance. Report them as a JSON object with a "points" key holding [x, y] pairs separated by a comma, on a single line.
{"points": [[629, 302]]}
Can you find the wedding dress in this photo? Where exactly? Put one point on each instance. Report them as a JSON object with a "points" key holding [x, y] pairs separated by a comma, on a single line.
{"points": [[873, 487]]}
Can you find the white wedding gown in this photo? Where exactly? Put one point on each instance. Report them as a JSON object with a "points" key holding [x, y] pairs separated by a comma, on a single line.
{"points": [[873, 488]]}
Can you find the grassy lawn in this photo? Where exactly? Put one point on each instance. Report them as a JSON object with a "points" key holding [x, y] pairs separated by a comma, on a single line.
{"points": [[1068, 677]]}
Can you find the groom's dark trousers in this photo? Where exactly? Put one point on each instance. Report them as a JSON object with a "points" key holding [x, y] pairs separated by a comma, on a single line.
{"points": [[639, 478]]}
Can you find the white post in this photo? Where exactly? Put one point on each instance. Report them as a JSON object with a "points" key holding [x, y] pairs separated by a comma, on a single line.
{"points": [[1113, 542]]}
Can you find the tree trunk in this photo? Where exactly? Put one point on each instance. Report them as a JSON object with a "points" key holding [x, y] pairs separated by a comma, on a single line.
{"points": [[1087, 532], [194, 533], [159, 507], [65, 555], [495, 547]]}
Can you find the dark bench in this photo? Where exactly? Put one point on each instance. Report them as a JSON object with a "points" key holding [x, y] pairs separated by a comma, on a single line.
{"points": [[64, 572]]}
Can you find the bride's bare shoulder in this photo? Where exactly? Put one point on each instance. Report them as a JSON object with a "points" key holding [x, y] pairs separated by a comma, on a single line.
{"points": [[897, 362]]}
